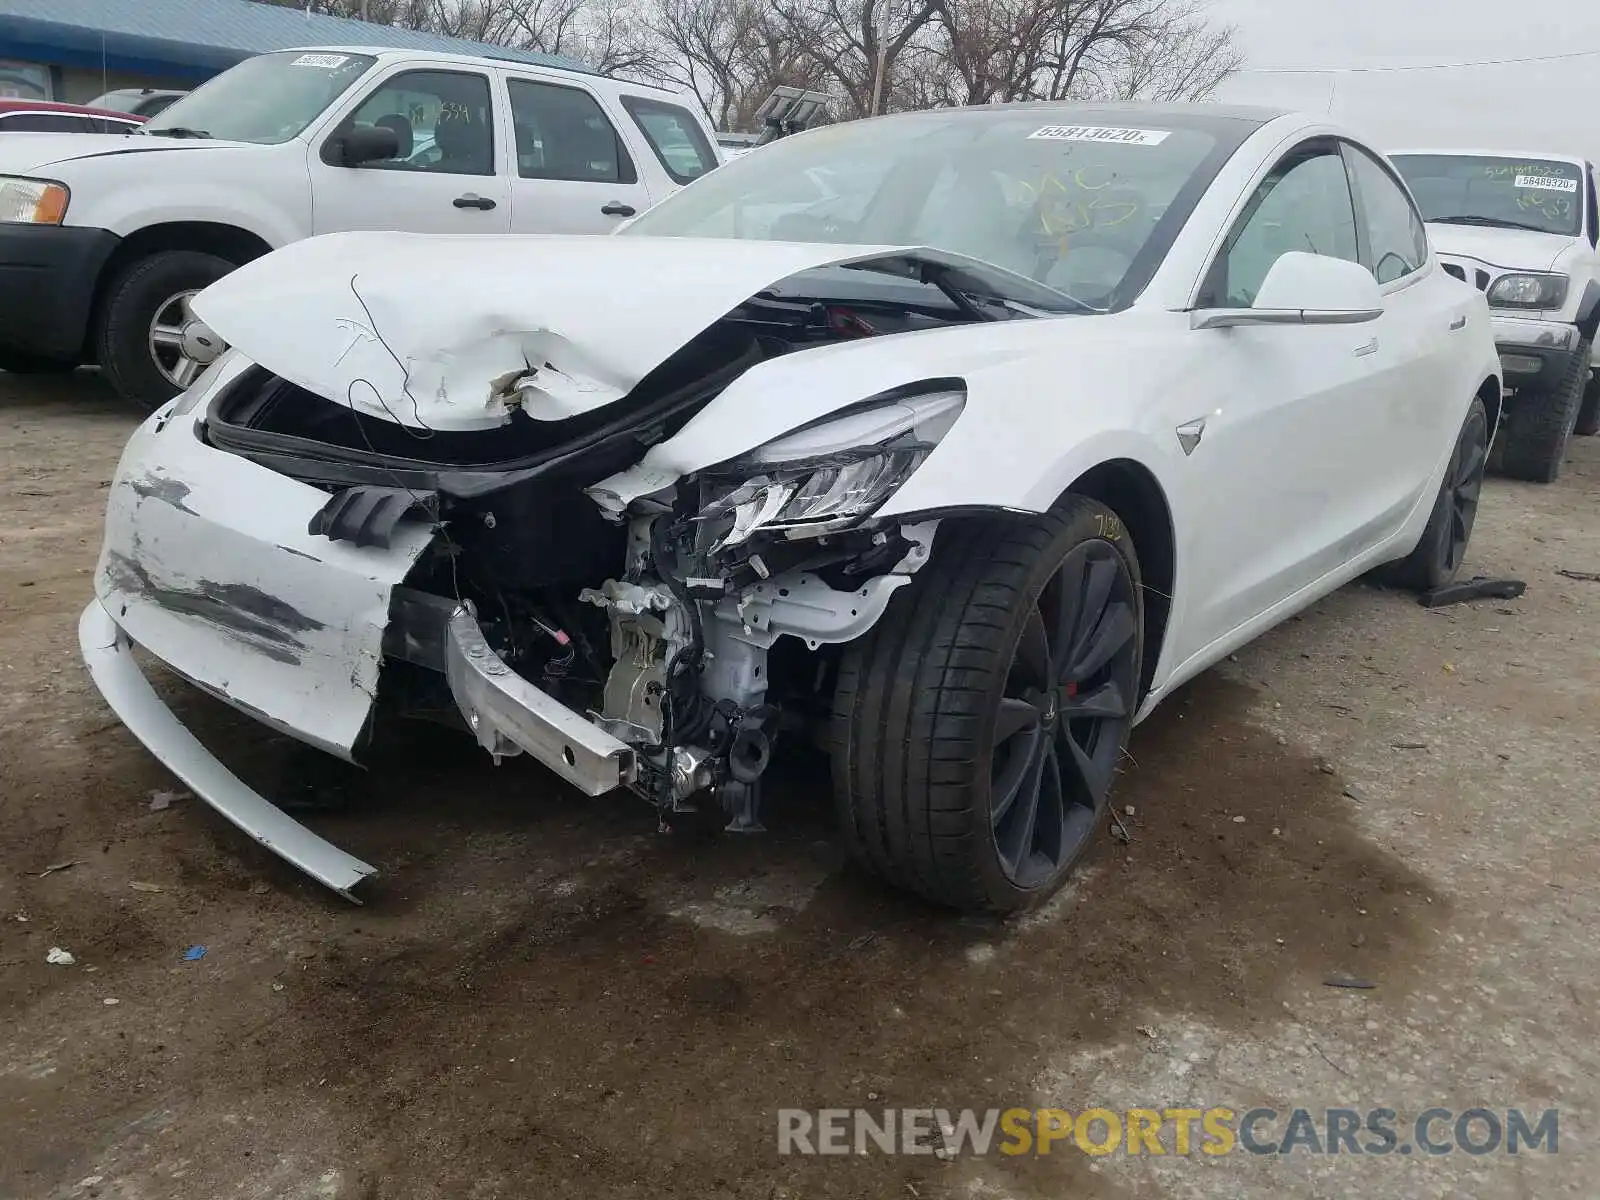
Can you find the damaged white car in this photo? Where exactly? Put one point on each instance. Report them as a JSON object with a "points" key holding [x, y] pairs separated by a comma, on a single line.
{"points": [[969, 464]]}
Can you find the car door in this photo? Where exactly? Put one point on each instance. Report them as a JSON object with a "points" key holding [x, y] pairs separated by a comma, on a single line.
{"points": [[448, 175], [1425, 316], [1277, 473], [572, 172]]}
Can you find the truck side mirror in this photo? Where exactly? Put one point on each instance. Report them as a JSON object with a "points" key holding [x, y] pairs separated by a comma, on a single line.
{"points": [[365, 144]]}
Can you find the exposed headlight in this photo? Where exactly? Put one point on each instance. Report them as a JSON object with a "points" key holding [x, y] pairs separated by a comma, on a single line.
{"points": [[32, 201], [831, 474], [1529, 291]]}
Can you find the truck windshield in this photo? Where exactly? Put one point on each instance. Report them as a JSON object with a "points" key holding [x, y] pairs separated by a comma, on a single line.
{"points": [[267, 99], [1538, 194]]}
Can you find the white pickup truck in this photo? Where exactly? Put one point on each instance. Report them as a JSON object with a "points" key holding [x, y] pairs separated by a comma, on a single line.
{"points": [[104, 239], [1523, 229]]}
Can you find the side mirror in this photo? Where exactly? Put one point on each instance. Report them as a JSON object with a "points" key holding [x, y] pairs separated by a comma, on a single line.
{"points": [[1304, 289], [365, 144]]}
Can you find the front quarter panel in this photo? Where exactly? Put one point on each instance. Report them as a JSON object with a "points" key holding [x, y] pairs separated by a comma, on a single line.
{"points": [[263, 190]]}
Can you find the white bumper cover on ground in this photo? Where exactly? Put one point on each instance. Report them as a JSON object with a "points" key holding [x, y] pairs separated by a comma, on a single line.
{"points": [[108, 653]]}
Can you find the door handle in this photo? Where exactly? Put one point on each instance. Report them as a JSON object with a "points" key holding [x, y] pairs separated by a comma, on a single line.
{"points": [[1369, 349], [1459, 323], [618, 209], [472, 201]]}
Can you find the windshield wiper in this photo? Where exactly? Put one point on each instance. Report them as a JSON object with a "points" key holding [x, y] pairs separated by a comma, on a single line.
{"points": [[176, 131], [1490, 222]]}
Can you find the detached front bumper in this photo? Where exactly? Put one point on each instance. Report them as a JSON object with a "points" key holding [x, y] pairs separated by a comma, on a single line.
{"points": [[1534, 354], [108, 653], [209, 568]]}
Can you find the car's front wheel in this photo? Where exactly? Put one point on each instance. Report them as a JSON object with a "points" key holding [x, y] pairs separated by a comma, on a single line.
{"points": [[151, 345], [1538, 425], [1588, 423], [977, 729]]}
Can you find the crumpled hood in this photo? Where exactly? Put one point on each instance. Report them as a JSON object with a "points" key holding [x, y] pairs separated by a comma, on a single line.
{"points": [[28, 153], [1507, 249], [441, 332]]}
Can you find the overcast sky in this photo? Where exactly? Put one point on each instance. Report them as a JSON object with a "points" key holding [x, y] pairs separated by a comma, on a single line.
{"points": [[1552, 106], [1344, 33]]}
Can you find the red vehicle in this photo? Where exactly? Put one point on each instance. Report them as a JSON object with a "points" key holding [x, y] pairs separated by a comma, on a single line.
{"points": [[46, 116]]}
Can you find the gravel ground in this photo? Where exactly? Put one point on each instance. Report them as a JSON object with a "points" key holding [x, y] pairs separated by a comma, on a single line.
{"points": [[544, 997]]}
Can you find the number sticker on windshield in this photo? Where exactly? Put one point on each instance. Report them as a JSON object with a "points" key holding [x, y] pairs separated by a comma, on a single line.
{"points": [[330, 61], [1546, 183], [1091, 133]]}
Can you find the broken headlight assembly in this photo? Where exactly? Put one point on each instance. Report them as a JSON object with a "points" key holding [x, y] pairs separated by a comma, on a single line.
{"points": [[828, 475]]}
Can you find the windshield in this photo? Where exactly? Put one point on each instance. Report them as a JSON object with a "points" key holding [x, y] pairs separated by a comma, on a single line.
{"points": [[1069, 206], [1544, 195], [267, 99]]}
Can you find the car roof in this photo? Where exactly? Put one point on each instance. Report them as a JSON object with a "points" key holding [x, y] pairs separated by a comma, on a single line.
{"points": [[1238, 118], [1456, 152], [10, 104], [392, 53]]}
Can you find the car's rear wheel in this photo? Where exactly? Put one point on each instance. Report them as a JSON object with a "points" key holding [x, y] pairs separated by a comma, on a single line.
{"points": [[151, 345], [1588, 422], [1443, 547], [977, 729], [1538, 426]]}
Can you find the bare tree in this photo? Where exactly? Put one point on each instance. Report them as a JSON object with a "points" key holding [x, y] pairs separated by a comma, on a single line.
{"points": [[1188, 59], [857, 46], [873, 56], [730, 54]]}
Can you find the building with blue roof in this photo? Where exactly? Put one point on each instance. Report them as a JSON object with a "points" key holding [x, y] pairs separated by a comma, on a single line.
{"points": [[75, 50]]}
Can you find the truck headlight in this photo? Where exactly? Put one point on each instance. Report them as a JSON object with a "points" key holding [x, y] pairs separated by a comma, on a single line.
{"points": [[32, 201], [830, 474], [1529, 291]]}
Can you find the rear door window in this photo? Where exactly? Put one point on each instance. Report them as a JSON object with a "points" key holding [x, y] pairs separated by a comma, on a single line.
{"points": [[676, 137], [563, 133]]}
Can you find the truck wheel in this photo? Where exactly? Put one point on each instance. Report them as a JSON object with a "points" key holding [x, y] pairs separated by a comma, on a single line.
{"points": [[151, 345], [1438, 555], [978, 727], [1588, 423], [18, 362], [1538, 425]]}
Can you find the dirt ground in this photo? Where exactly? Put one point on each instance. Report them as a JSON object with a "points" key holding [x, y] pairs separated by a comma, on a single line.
{"points": [[543, 997]]}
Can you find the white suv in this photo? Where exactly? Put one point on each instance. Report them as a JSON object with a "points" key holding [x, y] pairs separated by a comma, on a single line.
{"points": [[1523, 228], [104, 240]]}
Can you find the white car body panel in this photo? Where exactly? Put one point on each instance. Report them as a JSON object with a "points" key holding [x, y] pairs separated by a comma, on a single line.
{"points": [[603, 312], [208, 565], [1319, 453]]}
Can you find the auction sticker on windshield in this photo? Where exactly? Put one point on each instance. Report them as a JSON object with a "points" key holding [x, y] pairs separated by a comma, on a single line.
{"points": [[1091, 133], [321, 60], [1546, 183]]}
